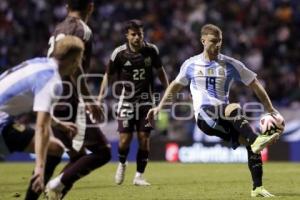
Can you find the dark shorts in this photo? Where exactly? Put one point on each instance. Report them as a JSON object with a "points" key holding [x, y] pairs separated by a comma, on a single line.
{"points": [[17, 137], [93, 136], [212, 122], [132, 117]]}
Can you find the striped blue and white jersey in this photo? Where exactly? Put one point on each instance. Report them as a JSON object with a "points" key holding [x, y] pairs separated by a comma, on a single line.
{"points": [[34, 85], [210, 81]]}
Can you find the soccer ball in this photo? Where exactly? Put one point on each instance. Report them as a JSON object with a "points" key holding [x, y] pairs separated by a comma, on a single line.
{"points": [[271, 123]]}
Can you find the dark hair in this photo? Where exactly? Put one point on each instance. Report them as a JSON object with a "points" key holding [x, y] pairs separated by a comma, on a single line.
{"points": [[78, 5], [133, 24]]}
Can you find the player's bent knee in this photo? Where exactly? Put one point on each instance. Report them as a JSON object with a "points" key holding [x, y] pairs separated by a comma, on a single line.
{"points": [[230, 108], [107, 155], [56, 148], [103, 156], [103, 153]]}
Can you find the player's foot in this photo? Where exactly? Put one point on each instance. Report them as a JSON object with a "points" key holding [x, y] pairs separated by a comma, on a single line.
{"points": [[140, 181], [261, 192], [52, 194], [262, 141], [120, 173]]}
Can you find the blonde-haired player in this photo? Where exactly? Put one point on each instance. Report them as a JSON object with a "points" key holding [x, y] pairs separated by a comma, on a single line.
{"points": [[210, 75], [34, 85]]}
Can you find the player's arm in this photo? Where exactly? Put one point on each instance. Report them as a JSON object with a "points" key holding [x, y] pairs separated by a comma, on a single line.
{"points": [[78, 77], [163, 77], [103, 87], [181, 80], [91, 105], [107, 81], [171, 90], [69, 128], [261, 93], [157, 63], [109, 76], [42, 135]]}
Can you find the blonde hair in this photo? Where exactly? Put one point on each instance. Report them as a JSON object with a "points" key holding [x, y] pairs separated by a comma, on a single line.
{"points": [[211, 29], [68, 46]]}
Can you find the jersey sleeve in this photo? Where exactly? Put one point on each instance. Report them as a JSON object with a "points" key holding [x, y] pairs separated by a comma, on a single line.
{"points": [[113, 63], [157, 63], [183, 77], [47, 95], [245, 75]]}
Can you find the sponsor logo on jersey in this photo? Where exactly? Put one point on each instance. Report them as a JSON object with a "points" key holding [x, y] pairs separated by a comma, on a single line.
{"points": [[148, 125], [200, 73], [128, 63]]}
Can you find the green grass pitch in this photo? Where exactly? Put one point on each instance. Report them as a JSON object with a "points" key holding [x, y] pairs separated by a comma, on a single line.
{"points": [[169, 181]]}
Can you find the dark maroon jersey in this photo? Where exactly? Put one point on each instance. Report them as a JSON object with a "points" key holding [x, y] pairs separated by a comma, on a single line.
{"points": [[134, 70], [76, 27]]}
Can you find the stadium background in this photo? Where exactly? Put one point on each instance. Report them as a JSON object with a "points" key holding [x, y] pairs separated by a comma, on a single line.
{"points": [[264, 34]]}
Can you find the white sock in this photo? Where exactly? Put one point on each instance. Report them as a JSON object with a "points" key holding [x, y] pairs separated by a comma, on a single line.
{"points": [[56, 184], [138, 174]]}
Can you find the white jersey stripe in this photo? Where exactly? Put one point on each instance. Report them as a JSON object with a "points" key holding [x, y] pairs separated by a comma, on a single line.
{"points": [[30, 87]]}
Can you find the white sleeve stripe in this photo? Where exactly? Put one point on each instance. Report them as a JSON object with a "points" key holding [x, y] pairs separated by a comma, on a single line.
{"points": [[116, 51], [154, 47], [87, 31]]}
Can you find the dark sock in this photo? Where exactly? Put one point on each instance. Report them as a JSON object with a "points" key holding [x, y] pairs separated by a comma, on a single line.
{"points": [[255, 167], [142, 160], [73, 159], [123, 153], [242, 126], [84, 165], [51, 163]]}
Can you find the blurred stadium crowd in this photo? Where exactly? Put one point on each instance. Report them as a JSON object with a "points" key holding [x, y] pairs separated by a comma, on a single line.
{"points": [[264, 34]]}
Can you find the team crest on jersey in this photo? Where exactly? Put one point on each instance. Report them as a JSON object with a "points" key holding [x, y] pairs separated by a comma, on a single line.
{"points": [[210, 72], [221, 71], [148, 62]]}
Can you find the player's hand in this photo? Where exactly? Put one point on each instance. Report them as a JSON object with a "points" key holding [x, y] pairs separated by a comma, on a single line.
{"points": [[68, 127], [152, 113], [37, 180], [96, 113]]}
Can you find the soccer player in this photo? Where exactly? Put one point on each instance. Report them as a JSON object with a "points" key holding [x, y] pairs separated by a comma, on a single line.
{"points": [[210, 75], [132, 64], [89, 136], [35, 85]]}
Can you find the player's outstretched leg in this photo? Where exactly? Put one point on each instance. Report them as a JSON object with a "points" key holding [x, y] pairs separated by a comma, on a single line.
{"points": [[262, 141], [59, 186], [256, 169], [234, 115]]}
